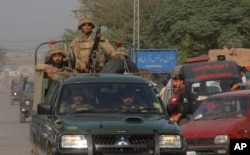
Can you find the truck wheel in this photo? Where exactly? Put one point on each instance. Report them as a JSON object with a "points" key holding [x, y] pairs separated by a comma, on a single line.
{"points": [[49, 150], [22, 117], [117, 65], [34, 148]]}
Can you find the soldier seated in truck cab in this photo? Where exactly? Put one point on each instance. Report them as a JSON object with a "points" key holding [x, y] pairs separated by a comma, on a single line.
{"points": [[77, 101], [129, 101]]}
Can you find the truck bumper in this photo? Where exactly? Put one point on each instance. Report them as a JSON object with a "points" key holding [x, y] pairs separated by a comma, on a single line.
{"points": [[214, 149]]}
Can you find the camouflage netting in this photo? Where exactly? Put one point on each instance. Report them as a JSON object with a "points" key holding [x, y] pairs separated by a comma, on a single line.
{"points": [[239, 55]]}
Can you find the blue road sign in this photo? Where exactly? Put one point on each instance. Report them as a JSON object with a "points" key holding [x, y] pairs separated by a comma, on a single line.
{"points": [[155, 60]]}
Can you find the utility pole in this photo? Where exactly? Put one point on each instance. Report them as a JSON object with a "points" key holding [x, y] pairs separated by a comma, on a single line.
{"points": [[136, 28]]}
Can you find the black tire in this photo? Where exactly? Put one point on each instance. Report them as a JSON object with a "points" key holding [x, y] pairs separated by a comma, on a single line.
{"points": [[117, 65], [49, 150], [34, 148]]}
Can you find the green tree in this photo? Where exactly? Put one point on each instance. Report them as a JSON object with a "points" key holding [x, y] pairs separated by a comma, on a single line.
{"points": [[191, 26], [2, 58]]}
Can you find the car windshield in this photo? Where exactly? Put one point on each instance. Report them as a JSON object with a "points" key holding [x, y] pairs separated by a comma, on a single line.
{"points": [[203, 89], [108, 98], [222, 107]]}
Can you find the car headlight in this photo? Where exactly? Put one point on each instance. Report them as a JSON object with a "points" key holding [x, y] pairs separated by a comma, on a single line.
{"points": [[221, 139], [170, 141], [27, 102], [15, 93], [74, 141]]}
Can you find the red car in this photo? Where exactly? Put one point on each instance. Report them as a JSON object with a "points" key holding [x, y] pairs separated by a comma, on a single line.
{"points": [[218, 119]]}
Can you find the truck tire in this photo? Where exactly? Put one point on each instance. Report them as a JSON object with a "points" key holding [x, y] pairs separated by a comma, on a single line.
{"points": [[117, 65], [49, 150], [34, 148]]}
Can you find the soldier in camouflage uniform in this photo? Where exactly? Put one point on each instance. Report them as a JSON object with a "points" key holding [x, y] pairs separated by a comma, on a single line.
{"points": [[121, 52], [82, 45], [55, 64]]}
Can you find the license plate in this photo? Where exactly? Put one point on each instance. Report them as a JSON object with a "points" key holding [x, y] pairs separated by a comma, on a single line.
{"points": [[191, 153]]}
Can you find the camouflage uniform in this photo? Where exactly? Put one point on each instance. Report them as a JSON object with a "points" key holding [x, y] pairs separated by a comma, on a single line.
{"points": [[121, 51], [57, 72], [82, 48]]}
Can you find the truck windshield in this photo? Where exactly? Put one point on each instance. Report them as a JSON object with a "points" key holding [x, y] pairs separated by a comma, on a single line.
{"points": [[110, 98], [17, 86]]}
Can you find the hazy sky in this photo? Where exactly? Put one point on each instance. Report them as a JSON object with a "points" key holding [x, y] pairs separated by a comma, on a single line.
{"points": [[24, 24]]}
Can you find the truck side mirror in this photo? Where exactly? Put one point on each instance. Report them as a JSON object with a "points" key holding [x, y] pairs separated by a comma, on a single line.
{"points": [[43, 109]]}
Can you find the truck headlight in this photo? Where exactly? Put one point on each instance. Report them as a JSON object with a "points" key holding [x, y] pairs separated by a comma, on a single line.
{"points": [[15, 93], [221, 139], [170, 141], [27, 102], [74, 141]]}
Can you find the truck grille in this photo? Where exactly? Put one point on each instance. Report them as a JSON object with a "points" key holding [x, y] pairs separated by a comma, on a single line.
{"points": [[124, 142]]}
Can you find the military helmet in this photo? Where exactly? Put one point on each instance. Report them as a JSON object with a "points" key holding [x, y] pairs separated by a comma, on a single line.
{"points": [[85, 20], [121, 51], [53, 51]]}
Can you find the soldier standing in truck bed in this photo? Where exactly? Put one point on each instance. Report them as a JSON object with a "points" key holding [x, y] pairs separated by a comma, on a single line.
{"points": [[82, 45], [55, 64]]}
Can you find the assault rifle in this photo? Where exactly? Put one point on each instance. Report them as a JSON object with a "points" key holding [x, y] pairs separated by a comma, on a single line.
{"points": [[92, 61]]}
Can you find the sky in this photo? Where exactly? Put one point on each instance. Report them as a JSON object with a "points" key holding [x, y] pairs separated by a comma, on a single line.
{"points": [[24, 24]]}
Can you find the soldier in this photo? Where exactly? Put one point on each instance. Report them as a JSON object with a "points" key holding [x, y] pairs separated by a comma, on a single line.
{"points": [[130, 102], [77, 101], [55, 63], [118, 43], [52, 44], [120, 63], [121, 52], [82, 45]]}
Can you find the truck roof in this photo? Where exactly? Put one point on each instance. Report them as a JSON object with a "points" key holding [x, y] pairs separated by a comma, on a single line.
{"points": [[208, 70], [107, 78]]}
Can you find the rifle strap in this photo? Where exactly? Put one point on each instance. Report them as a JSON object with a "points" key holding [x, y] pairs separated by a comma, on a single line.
{"points": [[126, 69]]}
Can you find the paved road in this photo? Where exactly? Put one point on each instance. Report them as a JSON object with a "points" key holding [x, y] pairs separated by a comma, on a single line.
{"points": [[14, 136]]}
